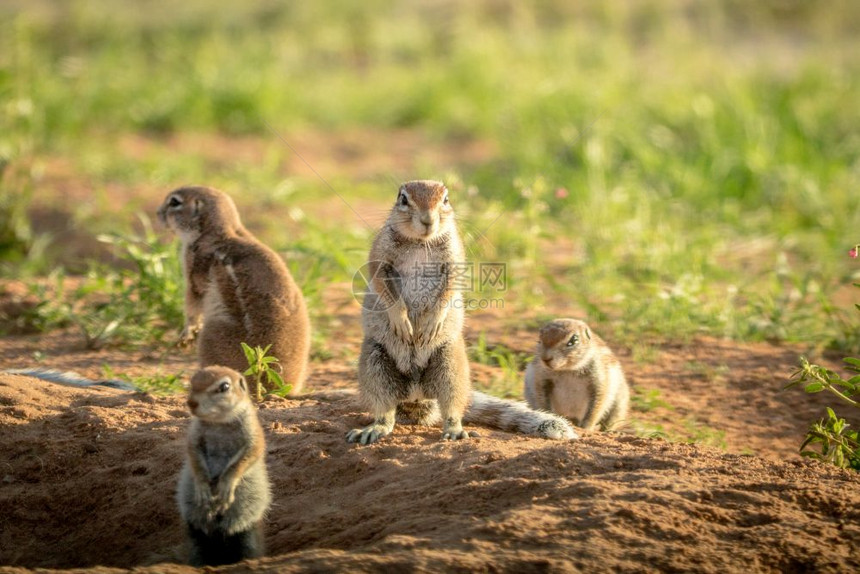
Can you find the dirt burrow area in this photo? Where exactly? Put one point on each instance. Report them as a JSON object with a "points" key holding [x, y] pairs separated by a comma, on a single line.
{"points": [[88, 481]]}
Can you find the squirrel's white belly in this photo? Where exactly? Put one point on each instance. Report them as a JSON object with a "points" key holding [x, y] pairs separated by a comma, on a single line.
{"points": [[214, 308], [571, 398], [421, 280]]}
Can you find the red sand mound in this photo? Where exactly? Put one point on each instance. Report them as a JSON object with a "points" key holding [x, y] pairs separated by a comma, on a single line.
{"points": [[88, 480]]}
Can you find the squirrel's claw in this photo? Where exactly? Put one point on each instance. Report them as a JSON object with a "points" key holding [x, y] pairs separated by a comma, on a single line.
{"points": [[368, 435], [187, 336], [429, 327], [454, 431], [401, 325]]}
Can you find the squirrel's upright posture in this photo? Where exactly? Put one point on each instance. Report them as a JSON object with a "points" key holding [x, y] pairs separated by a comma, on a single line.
{"points": [[223, 490], [575, 374], [237, 289], [413, 359]]}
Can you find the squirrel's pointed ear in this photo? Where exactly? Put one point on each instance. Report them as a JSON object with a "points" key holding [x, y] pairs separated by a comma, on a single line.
{"points": [[243, 384], [588, 334]]}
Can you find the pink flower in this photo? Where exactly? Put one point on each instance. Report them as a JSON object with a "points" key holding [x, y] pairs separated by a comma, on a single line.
{"points": [[853, 253], [561, 193]]}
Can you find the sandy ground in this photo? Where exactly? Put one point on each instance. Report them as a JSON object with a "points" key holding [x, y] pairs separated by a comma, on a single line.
{"points": [[88, 476], [88, 480]]}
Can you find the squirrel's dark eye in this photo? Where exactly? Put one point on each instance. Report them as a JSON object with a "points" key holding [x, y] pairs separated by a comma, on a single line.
{"points": [[445, 201], [403, 200], [224, 387], [174, 202], [573, 341]]}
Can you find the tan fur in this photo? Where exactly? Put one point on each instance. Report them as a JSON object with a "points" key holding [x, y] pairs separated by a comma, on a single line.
{"points": [[575, 374], [413, 365], [223, 490], [413, 347], [237, 289]]}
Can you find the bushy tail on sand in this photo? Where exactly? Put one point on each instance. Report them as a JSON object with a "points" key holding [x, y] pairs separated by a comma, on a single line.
{"points": [[70, 378], [517, 416], [502, 414]]}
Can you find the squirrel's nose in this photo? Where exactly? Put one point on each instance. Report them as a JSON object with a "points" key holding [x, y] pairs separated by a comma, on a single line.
{"points": [[426, 219]]}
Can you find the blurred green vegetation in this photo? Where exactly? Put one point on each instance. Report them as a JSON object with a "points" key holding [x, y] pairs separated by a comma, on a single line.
{"points": [[670, 167]]}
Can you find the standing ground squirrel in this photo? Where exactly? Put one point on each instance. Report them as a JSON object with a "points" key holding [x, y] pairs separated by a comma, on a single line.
{"points": [[223, 490], [575, 374], [237, 289], [413, 362]]}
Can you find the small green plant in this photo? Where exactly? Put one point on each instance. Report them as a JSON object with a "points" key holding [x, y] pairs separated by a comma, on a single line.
{"points": [[266, 372], [838, 444], [136, 302], [157, 384]]}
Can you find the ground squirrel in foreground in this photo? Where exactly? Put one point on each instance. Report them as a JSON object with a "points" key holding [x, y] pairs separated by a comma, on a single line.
{"points": [[223, 490], [237, 289], [413, 362], [575, 374]]}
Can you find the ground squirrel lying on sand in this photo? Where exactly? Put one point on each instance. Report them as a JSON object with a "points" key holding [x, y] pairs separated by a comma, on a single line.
{"points": [[413, 362], [223, 490], [237, 289], [575, 374]]}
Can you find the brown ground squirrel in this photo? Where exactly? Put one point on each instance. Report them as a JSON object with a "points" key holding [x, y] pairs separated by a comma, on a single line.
{"points": [[237, 289], [575, 374], [223, 490], [413, 362]]}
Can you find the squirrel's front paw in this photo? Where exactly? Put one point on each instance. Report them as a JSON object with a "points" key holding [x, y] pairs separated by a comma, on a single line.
{"points": [[369, 434], [428, 327], [400, 324], [202, 496], [223, 497], [188, 334]]}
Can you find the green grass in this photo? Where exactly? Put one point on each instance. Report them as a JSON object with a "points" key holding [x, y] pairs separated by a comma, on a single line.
{"points": [[645, 400], [700, 433], [672, 169], [137, 301], [689, 430], [692, 431], [508, 383], [157, 384]]}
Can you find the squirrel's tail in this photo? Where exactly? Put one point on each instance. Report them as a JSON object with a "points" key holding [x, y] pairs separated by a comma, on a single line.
{"points": [[517, 416], [70, 378]]}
